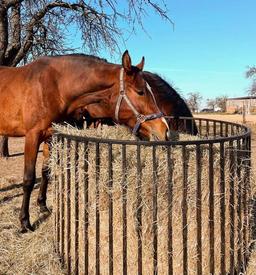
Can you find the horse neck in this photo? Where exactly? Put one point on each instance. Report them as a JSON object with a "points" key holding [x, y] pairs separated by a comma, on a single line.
{"points": [[165, 94], [79, 80], [84, 85]]}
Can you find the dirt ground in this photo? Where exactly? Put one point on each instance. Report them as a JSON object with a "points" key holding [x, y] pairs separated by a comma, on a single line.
{"points": [[250, 119], [22, 254], [32, 253]]}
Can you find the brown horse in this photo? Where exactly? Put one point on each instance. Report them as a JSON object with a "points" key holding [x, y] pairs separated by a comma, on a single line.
{"points": [[52, 88], [167, 98]]}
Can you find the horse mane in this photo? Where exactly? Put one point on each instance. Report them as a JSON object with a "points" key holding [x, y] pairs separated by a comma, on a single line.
{"points": [[168, 94], [93, 57]]}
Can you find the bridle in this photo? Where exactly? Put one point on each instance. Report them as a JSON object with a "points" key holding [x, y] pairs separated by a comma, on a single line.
{"points": [[140, 118]]}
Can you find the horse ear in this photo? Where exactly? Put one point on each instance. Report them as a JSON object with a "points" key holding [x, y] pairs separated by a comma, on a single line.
{"points": [[126, 61], [140, 66]]}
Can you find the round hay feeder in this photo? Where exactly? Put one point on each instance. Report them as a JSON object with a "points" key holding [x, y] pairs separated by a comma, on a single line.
{"points": [[127, 206]]}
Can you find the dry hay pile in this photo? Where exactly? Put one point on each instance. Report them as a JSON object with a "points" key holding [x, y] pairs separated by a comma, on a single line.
{"points": [[146, 204], [31, 253]]}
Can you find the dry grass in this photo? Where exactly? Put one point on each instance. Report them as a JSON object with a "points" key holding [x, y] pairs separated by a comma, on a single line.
{"points": [[250, 119], [30, 253]]}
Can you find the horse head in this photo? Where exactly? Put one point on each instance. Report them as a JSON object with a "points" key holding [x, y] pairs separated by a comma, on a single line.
{"points": [[136, 106], [133, 104]]}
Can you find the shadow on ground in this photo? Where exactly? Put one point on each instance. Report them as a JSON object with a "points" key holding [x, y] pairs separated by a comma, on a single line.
{"points": [[14, 186]]}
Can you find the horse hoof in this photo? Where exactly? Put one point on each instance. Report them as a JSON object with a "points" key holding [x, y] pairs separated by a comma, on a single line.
{"points": [[44, 209], [26, 227], [23, 230]]}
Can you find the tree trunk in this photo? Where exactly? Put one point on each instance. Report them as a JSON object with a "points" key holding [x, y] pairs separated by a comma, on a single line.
{"points": [[4, 152]]}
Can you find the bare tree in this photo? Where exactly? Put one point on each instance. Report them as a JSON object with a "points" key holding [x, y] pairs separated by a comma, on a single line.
{"points": [[218, 102], [193, 100], [251, 73], [211, 103], [221, 102], [30, 28]]}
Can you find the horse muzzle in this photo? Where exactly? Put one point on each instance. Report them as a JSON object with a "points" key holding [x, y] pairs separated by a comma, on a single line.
{"points": [[156, 129]]}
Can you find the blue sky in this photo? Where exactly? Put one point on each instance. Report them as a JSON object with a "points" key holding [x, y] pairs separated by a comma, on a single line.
{"points": [[208, 50]]}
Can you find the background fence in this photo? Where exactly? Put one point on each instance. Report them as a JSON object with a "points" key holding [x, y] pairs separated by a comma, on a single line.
{"points": [[154, 207]]}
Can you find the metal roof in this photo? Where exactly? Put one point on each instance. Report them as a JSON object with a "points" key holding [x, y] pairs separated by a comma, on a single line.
{"points": [[241, 98]]}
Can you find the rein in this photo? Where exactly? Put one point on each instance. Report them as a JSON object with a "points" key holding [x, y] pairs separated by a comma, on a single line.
{"points": [[140, 117]]}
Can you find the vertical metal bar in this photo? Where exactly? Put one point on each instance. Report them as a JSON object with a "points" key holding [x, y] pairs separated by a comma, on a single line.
{"points": [[76, 198], [139, 211], [154, 225], [192, 122], [200, 127], [124, 202], [244, 203], [57, 197], [232, 129], [62, 207], [248, 187], [214, 128], [237, 130], [184, 211], [97, 214], [185, 125], [231, 206], [222, 209], [68, 209], [204, 128], [221, 129], [199, 209], [211, 210], [55, 209], [86, 206], [110, 205], [170, 198], [226, 129], [207, 128], [239, 209], [246, 196]]}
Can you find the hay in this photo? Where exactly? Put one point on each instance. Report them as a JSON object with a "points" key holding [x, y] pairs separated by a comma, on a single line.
{"points": [[146, 206], [31, 253], [27, 254]]}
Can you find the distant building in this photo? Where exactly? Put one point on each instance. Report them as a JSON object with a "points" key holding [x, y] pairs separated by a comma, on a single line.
{"points": [[236, 105]]}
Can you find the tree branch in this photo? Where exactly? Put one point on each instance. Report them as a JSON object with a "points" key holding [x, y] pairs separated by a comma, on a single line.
{"points": [[3, 32], [28, 40], [15, 39], [251, 72], [98, 28]]}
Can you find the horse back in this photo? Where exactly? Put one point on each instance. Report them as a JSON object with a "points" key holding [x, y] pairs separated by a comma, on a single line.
{"points": [[24, 99]]}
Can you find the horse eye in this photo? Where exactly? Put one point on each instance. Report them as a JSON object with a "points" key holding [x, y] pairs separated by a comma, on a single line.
{"points": [[140, 92]]}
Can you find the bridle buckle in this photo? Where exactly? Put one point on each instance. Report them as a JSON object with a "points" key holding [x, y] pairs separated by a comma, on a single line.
{"points": [[141, 118]]}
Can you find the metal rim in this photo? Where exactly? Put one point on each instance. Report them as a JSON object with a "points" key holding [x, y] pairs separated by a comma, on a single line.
{"points": [[205, 140]]}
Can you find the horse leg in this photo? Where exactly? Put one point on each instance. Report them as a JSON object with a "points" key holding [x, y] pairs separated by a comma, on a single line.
{"points": [[30, 156], [41, 200]]}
